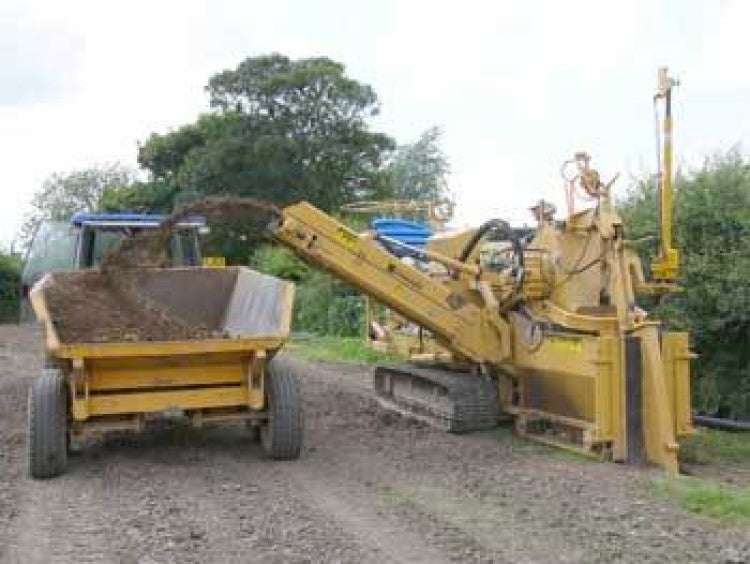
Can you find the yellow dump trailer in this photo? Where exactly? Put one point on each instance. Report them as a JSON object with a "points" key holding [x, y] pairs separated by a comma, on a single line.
{"points": [[94, 387]]}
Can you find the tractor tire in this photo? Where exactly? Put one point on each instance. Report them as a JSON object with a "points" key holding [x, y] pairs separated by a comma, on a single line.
{"points": [[281, 434], [48, 425]]}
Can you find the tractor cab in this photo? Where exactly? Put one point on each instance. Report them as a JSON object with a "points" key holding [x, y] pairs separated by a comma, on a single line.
{"points": [[83, 241], [97, 233]]}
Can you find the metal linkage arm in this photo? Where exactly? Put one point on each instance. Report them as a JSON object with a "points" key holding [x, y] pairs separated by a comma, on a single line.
{"points": [[470, 331]]}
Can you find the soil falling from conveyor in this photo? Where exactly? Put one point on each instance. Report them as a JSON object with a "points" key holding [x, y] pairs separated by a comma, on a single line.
{"points": [[106, 305], [149, 248]]}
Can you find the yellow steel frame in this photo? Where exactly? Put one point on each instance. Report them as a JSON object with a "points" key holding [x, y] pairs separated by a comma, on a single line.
{"points": [[134, 383], [471, 331], [574, 378], [666, 265], [676, 357], [112, 383], [578, 383], [214, 261]]}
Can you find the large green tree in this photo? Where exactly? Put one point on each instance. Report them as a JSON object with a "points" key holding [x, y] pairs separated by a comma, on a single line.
{"points": [[712, 230], [63, 194], [419, 170], [280, 129]]}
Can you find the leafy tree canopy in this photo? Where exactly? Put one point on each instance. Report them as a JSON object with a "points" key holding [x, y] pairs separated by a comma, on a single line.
{"points": [[712, 230], [282, 129], [307, 97], [64, 194], [419, 171]]}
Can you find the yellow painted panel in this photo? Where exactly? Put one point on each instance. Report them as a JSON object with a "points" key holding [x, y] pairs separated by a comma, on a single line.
{"points": [[560, 376], [80, 409], [577, 376], [256, 398], [560, 393], [658, 424], [574, 355], [214, 261], [183, 370], [676, 357], [603, 391], [165, 348], [149, 402], [164, 376], [612, 416]]}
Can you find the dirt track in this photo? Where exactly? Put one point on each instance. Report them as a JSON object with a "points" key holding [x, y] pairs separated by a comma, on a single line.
{"points": [[370, 487]]}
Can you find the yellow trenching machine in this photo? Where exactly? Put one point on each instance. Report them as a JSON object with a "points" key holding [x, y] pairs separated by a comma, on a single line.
{"points": [[542, 322]]}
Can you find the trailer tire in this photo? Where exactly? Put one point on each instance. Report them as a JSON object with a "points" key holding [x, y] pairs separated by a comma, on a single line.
{"points": [[281, 434], [47, 425]]}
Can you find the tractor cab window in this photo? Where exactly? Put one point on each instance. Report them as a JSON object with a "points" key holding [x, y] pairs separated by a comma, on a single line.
{"points": [[97, 241], [53, 248], [184, 248], [104, 241]]}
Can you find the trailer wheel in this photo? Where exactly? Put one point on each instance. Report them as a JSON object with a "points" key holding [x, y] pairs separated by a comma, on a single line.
{"points": [[47, 426], [281, 435]]}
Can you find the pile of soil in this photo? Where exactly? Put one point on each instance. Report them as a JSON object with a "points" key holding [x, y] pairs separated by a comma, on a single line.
{"points": [[106, 306], [86, 307]]}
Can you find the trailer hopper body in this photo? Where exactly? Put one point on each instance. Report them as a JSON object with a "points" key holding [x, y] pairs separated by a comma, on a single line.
{"points": [[119, 385]]}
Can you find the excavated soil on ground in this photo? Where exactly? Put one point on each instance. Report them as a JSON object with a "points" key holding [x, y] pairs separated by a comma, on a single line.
{"points": [[107, 306]]}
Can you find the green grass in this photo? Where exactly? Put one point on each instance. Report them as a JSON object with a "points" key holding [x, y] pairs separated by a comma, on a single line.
{"points": [[712, 446], [707, 497], [335, 349]]}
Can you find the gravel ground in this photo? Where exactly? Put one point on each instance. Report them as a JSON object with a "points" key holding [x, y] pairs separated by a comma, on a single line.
{"points": [[370, 487]]}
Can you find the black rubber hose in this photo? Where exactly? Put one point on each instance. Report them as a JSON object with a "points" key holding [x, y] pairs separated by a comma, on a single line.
{"points": [[718, 423], [494, 225]]}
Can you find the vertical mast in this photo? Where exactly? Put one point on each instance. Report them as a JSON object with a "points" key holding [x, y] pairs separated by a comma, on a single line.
{"points": [[666, 265]]}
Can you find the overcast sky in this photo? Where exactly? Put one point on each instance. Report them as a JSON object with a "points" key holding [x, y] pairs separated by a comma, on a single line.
{"points": [[517, 87]]}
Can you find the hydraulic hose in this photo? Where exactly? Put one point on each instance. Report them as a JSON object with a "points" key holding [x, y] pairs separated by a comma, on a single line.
{"points": [[719, 423], [500, 226], [504, 228]]}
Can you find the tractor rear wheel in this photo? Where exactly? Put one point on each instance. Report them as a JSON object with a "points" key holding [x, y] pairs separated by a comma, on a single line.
{"points": [[281, 434], [47, 425]]}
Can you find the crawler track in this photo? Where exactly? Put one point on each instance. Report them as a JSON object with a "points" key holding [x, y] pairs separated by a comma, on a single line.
{"points": [[455, 401]]}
